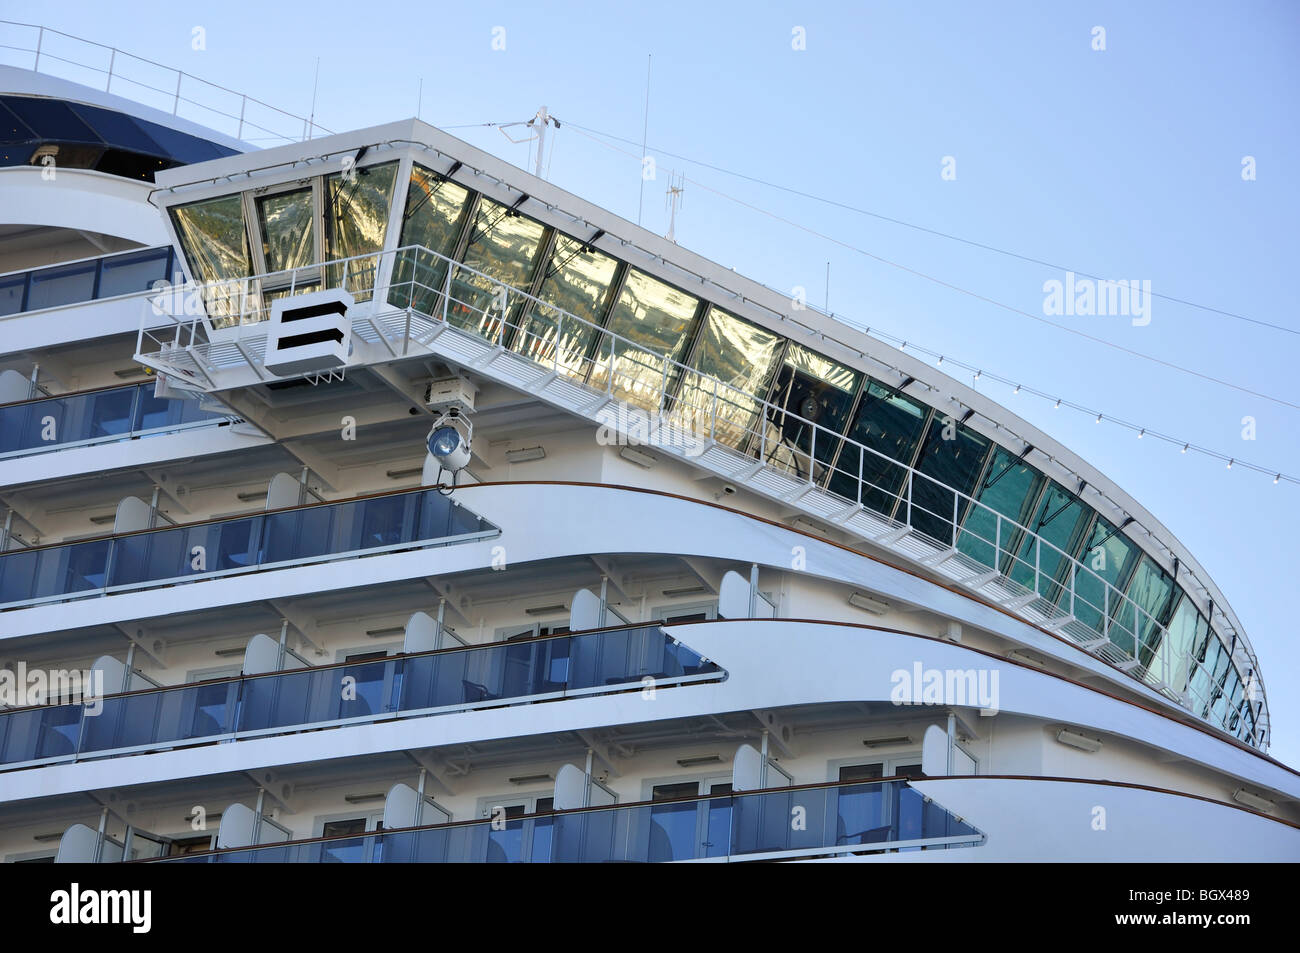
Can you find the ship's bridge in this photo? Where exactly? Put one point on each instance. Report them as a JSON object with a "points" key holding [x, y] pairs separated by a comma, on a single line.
{"points": [[385, 251]]}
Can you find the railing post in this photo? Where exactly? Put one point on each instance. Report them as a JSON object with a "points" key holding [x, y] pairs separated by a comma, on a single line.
{"points": [[910, 473], [954, 519], [1038, 557], [663, 387], [40, 38], [176, 105], [112, 59], [812, 454], [446, 292], [713, 413], [997, 541], [1105, 617], [861, 456]]}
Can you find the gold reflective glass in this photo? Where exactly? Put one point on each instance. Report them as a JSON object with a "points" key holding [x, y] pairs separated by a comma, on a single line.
{"points": [[215, 242], [576, 281], [286, 223], [435, 208], [742, 358], [652, 319], [503, 247], [357, 203]]}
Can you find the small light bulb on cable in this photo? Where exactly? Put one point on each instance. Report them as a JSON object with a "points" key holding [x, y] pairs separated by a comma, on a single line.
{"points": [[977, 374], [1231, 462], [940, 364], [1184, 450], [1058, 404], [1276, 478], [1017, 390], [1142, 433], [1099, 418]]}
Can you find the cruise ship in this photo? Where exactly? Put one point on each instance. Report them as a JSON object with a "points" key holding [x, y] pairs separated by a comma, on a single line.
{"points": [[367, 499]]}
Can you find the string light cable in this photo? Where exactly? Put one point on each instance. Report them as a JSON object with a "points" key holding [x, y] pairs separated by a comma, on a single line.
{"points": [[905, 344]]}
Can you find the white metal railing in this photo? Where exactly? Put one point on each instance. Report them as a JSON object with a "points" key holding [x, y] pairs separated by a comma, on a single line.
{"points": [[55, 53], [413, 283]]}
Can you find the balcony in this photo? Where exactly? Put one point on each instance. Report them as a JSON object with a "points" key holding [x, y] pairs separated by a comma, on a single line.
{"points": [[98, 416], [406, 686], [175, 555], [93, 279], [834, 819]]}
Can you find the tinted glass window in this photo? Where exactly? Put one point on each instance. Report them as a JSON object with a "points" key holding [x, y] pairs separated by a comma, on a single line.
{"points": [[952, 456], [51, 119]]}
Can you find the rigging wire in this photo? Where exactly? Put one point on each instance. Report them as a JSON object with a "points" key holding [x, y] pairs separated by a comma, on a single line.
{"points": [[904, 344], [933, 231]]}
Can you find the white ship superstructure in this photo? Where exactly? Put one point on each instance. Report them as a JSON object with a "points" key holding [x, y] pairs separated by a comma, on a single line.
{"points": [[696, 573]]}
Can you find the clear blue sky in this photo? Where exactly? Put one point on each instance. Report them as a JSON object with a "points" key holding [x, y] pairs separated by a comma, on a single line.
{"points": [[1125, 163]]}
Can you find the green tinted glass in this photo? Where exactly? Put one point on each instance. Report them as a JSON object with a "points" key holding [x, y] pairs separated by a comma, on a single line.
{"points": [[1107, 558], [891, 424], [1009, 488], [1056, 527], [952, 456]]}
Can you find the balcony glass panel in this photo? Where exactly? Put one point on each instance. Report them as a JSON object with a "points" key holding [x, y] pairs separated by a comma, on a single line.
{"points": [[34, 734], [286, 223], [127, 274], [576, 281], [952, 457], [1010, 488], [888, 422], [356, 691], [656, 319], [738, 354], [504, 246], [153, 718], [52, 287], [357, 205], [860, 817], [810, 389], [11, 293], [175, 553], [435, 211]]}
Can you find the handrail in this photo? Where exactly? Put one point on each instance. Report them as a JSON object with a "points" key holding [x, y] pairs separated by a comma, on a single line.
{"points": [[29, 277], [971, 837], [396, 656], [75, 433], [264, 704], [663, 384], [309, 126], [173, 566]]}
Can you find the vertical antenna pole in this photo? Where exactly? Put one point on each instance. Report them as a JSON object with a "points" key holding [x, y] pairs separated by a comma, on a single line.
{"points": [[311, 122], [542, 119], [645, 131]]}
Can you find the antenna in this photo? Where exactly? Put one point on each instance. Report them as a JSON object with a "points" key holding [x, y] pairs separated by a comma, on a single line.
{"points": [[538, 126], [673, 200], [645, 131], [311, 131]]}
